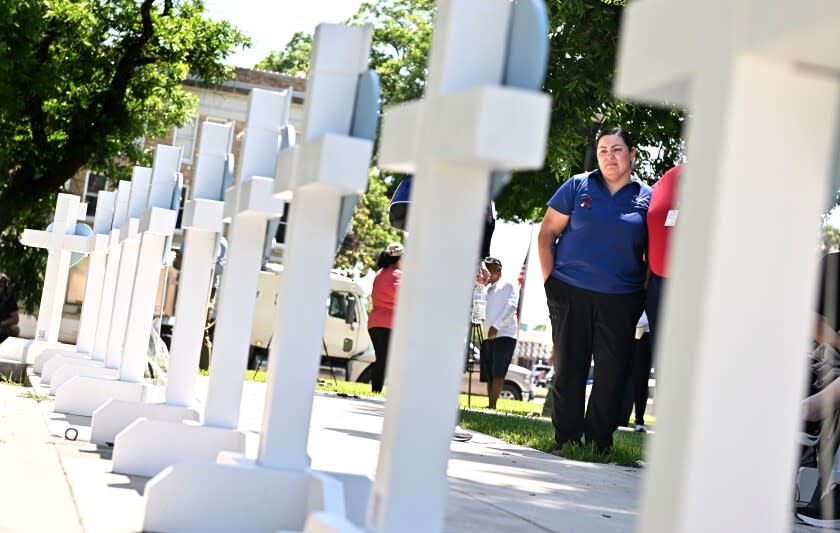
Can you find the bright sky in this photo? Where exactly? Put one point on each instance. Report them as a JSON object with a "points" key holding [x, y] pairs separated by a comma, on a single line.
{"points": [[271, 23]]}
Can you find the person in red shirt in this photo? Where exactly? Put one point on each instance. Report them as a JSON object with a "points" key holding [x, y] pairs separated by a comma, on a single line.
{"points": [[661, 220], [384, 298]]}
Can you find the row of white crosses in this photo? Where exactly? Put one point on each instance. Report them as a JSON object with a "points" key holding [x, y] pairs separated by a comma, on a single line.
{"points": [[81, 386], [61, 242], [468, 126], [763, 92], [465, 99], [162, 437], [331, 162], [202, 224], [56, 366]]}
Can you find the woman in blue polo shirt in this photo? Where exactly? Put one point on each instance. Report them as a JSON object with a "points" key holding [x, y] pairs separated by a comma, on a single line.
{"points": [[592, 244]]}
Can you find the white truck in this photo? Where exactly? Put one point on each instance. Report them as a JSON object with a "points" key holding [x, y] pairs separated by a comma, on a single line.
{"points": [[347, 352]]}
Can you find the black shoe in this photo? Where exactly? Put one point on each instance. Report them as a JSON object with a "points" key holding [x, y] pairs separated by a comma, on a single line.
{"points": [[825, 514]]}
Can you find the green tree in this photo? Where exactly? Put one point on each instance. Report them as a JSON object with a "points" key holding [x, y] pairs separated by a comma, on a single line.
{"points": [[402, 32], [830, 238], [583, 42], [370, 231], [579, 78], [292, 60], [84, 80]]}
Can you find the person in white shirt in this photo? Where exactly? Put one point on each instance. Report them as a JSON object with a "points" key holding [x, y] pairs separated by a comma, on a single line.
{"points": [[500, 327]]}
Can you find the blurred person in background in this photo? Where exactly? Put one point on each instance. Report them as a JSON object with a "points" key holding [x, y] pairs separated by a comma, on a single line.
{"points": [[384, 299]]}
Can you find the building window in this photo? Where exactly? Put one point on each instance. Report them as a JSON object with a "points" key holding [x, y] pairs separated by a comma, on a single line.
{"points": [[185, 138], [93, 184]]}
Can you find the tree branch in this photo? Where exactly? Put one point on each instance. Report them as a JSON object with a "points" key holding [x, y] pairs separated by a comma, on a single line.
{"points": [[35, 101]]}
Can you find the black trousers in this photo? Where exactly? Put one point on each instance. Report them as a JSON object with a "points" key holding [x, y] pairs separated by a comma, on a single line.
{"points": [[653, 299], [637, 392], [586, 324], [381, 338]]}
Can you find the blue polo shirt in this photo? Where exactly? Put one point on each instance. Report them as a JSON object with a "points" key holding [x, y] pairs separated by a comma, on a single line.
{"points": [[602, 248]]}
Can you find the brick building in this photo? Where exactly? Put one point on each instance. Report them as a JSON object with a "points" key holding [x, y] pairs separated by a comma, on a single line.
{"points": [[225, 103]]}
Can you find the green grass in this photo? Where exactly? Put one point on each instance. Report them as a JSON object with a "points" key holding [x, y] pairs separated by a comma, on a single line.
{"points": [[32, 395], [513, 407], [539, 435], [9, 380]]}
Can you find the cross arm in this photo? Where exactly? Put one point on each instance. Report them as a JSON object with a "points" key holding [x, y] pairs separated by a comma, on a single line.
{"points": [[656, 57], [400, 137], [500, 128], [203, 214], [808, 34], [336, 161], [252, 197]]}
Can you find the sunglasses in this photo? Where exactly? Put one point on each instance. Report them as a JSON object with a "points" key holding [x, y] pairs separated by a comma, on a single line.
{"points": [[492, 261]]}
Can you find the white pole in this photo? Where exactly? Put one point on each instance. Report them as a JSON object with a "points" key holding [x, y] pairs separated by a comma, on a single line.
{"points": [[130, 250], [296, 346], [235, 314], [142, 307], [191, 312]]}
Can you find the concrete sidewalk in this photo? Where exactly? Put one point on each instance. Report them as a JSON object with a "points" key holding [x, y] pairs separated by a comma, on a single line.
{"points": [[493, 486]]}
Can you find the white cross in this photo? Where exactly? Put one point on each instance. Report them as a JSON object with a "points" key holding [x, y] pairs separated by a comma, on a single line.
{"points": [[50, 360], [157, 224], [57, 368], [467, 126], [111, 270], [326, 166], [126, 260], [89, 319], [248, 206], [760, 79], [60, 243], [202, 223]]}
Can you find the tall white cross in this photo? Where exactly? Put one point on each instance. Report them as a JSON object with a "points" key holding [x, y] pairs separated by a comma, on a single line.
{"points": [[89, 319], [202, 223], [141, 180], [329, 164], [57, 368], [248, 206], [467, 126], [157, 224], [761, 81], [60, 243], [202, 227], [121, 217], [140, 263], [48, 360]]}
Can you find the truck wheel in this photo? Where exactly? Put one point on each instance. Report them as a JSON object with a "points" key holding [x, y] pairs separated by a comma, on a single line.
{"points": [[511, 392]]}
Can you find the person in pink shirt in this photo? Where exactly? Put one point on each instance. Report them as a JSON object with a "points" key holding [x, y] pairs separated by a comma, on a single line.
{"points": [[384, 298]]}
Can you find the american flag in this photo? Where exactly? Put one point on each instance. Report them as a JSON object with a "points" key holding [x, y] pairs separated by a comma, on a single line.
{"points": [[521, 279]]}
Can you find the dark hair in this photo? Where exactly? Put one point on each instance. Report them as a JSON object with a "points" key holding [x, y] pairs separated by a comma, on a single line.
{"points": [[621, 132], [386, 260], [492, 262]]}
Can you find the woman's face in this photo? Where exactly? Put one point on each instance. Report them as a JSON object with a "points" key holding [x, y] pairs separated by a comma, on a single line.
{"points": [[615, 158]]}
